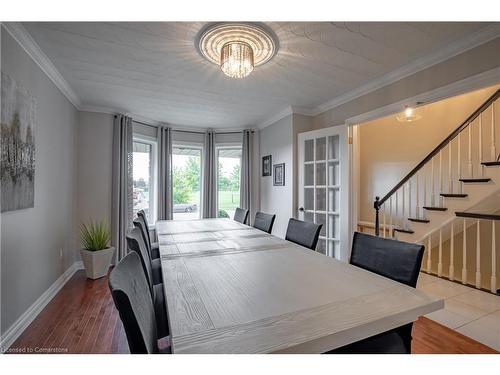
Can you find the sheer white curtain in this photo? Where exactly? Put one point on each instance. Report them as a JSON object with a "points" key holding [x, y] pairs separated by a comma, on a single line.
{"points": [[122, 191], [246, 173], [209, 201], [165, 195]]}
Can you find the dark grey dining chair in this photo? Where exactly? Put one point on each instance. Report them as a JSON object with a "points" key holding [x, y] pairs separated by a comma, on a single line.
{"points": [[396, 260], [303, 233], [131, 295], [241, 215], [140, 223], [135, 241], [152, 245], [152, 272], [264, 222]]}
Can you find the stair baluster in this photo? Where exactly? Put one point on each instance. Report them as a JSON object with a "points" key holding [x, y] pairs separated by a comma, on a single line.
{"points": [[493, 148], [409, 203], [450, 174], [478, 256], [429, 254], [440, 178], [471, 170], [383, 218], [481, 166], [493, 258], [464, 253], [424, 172], [390, 217], [459, 167], [417, 198], [402, 223], [451, 271], [433, 202], [440, 254], [396, 219]]}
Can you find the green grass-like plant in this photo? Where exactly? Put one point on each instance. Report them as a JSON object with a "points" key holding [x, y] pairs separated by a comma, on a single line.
{"points": [[95, 235]]}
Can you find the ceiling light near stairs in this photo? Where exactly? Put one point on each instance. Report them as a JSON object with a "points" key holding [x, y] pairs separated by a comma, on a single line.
{"points": [[408, 115]]}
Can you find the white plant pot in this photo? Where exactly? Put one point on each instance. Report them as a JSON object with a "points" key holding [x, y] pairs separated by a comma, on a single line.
{"points": [[97, 262]]}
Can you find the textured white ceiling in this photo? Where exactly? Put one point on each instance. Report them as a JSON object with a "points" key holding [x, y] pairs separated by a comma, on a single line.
{"points": [[154, 70]]}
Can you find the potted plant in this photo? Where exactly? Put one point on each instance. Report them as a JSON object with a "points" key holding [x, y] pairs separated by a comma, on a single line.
{"points": [[96, 252]]}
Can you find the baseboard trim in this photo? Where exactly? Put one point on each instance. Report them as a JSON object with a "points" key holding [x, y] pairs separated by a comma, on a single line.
{"points": [[16, 329]]}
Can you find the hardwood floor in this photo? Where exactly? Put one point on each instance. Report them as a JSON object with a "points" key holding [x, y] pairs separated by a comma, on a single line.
{"points": [[82, 319]]}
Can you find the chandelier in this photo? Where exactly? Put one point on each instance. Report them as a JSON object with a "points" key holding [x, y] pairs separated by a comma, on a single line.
{"points": [[237, 48]]}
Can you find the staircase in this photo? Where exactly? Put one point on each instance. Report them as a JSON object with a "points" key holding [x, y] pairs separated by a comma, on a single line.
{"points": [[450, 202]]}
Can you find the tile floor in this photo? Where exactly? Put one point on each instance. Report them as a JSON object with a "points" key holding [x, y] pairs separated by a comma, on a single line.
{"points": [[471, 312]]}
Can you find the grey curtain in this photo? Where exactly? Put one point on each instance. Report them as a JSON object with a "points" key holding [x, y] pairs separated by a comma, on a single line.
{"points": [[246, 173], [122, 197], [165, 197], [209, 201]]}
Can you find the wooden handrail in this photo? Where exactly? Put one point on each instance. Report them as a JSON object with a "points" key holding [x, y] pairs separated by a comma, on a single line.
{"points": [[470, 119], [477, 215]]}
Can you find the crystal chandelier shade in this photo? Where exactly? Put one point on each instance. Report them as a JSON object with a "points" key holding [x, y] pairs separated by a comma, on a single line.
{"points": [[236, 60], [237, 48]]}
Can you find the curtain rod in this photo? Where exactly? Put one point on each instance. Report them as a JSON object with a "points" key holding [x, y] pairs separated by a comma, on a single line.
{"points": [[188, 131]]}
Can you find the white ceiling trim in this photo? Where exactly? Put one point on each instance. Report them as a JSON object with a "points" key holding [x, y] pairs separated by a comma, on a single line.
{"points": [[24, 39], [480, 37], [476, 82], [283, 113], [276, 117], [150, 122]]}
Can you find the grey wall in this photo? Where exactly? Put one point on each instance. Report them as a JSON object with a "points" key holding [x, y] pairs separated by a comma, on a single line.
{"points": [[95, 138], [37, 244], [277, 140]]}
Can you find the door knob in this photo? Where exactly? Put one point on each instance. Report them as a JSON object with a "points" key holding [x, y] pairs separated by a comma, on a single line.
{"points": [[301, 209]]}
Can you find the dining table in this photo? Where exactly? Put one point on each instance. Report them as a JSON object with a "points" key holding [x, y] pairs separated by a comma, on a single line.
{"points": [[231, 288]]}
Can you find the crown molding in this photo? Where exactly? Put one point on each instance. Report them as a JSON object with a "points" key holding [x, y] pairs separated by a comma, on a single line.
{"points": [[453, 49], [276, 117], [302, 111], [290, 110], [476, 82], [99, 109], [24, 39], [113, 111], [151, 122]]}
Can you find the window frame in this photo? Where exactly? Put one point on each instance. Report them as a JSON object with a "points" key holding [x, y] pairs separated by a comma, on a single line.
{"points": [[195, 146], [224, 146], [153, 175]]}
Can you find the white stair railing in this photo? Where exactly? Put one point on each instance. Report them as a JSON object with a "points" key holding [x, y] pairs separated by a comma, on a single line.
{"points": [[462, 248], [437, 175]]}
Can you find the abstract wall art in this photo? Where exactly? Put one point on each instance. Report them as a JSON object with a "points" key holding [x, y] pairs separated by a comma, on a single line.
{"points": [[17, 167]]}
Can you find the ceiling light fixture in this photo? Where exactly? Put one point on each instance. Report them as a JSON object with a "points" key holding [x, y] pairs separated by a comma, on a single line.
{"points": [[408, 115], [237, 47]]}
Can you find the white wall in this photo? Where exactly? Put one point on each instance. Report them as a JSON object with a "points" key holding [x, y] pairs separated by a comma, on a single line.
{"points": [[277, 140], [37, 244]]}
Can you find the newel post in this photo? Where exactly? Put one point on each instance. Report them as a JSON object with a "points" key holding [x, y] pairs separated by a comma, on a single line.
{"points": [[376, 206]]}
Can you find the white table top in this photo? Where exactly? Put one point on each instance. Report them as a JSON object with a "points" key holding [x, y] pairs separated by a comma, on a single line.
{"points": [[261, 294]]}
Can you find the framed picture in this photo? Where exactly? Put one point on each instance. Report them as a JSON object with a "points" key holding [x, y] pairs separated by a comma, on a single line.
{"points": [[18, 122], [279, 174], [266, 165]]}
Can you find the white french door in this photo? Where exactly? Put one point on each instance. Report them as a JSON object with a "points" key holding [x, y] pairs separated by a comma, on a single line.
{"points": [[323, 187]]}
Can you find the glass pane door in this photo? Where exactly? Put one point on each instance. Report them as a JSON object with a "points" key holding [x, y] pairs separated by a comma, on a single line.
{"points": [[321, 185]]}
